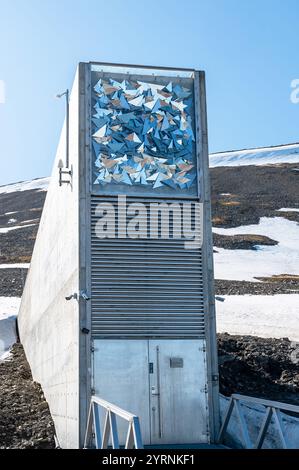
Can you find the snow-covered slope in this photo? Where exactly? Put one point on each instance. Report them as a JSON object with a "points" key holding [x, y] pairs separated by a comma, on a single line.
{"points": [[38, 183], [267, 316], [9, 307], [15, 266], [15, 227], [266, 261], [258, 156]]}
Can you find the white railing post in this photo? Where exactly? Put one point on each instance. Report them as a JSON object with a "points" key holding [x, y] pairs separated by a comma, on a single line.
{"points": [[88, 433], [264, 428], [272, 408], [97, 424], [109, 431]]}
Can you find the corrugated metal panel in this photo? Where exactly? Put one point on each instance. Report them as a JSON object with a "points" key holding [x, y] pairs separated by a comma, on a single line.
{"points": [[144, 288]]}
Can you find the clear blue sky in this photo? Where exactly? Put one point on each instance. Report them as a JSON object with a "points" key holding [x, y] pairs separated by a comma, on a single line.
{"points": [[248, 48]]}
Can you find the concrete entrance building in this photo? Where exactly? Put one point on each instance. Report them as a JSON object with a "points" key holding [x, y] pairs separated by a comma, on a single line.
{"points": [[119, 299]]}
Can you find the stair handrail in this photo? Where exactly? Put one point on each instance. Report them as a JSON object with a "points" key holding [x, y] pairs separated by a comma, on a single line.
{"points": [[273, 409], [110, 432]]}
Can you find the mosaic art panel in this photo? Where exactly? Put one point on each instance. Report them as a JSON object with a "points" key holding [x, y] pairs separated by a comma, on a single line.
{"points": [[143, 134]]}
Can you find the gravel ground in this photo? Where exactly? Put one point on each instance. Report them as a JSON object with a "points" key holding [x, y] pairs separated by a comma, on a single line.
{"points": [[241, 195], [25, 420], [260, 367], [17, 245], [12, 282], [241, 242], [225, 287]]}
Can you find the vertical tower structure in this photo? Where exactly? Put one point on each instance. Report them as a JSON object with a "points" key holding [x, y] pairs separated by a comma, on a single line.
{"points": [[142, 322]]}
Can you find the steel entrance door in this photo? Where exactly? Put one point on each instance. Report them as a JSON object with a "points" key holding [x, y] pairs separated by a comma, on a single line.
{"points": [[161, 381], [178, 395], [120, 376]]}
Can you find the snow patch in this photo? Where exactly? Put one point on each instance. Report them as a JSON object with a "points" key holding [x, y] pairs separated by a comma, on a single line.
{"points": [[267, 316], [8, 229], [258, 156], [30, 221], [39, 183], [288, 209], [6, 356], [12, 221], [9, 307], [245, 265], [15, 266]]}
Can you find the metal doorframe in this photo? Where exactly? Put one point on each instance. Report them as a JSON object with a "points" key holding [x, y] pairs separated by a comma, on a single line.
{"points": [[84, 337], [209, 294]]}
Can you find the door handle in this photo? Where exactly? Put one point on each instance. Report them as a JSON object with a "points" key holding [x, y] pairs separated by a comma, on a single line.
{"points": [[155, 392], [158, 392]]}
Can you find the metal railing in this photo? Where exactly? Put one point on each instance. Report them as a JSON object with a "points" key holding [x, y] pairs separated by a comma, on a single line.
{"points": [[109, 431], [272, 409]]}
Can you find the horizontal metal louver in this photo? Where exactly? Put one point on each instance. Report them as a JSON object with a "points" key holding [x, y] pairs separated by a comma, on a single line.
{"points": [[144, 288]]}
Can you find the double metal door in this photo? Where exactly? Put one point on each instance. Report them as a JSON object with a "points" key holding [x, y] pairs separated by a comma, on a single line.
{"points": [[163, 382]]}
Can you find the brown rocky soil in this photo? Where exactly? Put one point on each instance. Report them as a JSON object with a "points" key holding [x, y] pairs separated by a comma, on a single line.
{"points": [[261, 367], [241, 242], [241, 195], [268, 287], [25, 420]]}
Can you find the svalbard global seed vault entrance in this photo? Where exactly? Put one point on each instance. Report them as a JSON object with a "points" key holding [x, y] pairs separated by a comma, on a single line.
{"points": [[119, 298]]}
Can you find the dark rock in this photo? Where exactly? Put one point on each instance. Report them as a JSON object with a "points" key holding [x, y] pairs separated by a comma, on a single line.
{"points": [[241, 242], [241, 195], [262, 367], [25, 420], [281, 286]]}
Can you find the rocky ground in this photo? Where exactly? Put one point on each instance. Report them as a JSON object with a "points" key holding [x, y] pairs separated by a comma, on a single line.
{"points": [[260, 367], [267, 287], [241, 242], [17, 245], [12, 282], [25, 420], [241, 195], [17, 209]]}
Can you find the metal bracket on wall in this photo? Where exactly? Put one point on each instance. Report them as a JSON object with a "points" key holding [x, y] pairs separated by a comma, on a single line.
{"points": [[64, 172], [82, 295]]}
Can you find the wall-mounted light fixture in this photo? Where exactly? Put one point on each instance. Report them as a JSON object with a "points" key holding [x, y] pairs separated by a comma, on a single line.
{"points": [[66, 94], [67, 171]]}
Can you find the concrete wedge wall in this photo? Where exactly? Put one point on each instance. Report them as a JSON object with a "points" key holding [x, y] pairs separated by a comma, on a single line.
{"points": [[48, 324]]}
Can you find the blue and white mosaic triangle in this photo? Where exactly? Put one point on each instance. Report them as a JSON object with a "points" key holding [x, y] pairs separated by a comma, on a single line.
{"points": [[142, 134]]}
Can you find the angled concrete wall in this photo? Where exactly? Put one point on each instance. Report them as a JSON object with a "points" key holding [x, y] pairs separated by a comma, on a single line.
{"points": [[48, 324]]}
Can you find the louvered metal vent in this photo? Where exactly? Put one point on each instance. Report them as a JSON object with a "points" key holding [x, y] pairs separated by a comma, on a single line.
{"points": [[144, 288]]}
